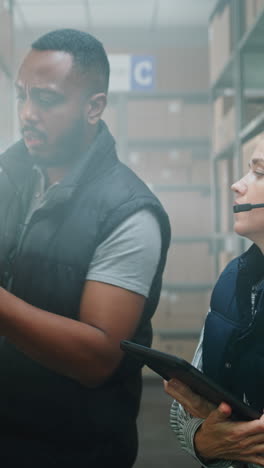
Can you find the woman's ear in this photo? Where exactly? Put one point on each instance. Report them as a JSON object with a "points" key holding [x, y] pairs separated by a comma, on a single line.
{"points": [[95, 107]]}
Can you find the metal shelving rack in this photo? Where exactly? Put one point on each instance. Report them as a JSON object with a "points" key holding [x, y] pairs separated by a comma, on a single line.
{"points": [[241, 78]]}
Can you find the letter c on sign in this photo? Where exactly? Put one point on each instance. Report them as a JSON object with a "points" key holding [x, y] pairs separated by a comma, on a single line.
{"points": [[143, 73]]}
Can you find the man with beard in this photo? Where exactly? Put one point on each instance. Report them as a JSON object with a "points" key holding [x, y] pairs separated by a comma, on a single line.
{"points": [[78, 271]]}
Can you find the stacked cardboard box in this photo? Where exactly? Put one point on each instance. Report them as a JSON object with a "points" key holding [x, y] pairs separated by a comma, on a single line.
{"points": [[6, 71], [169, 167], [189, 263], [190, 212], [6, 36], [223, 122], [225, 180], [252, 9], [167, 118], [253, 107], [6, 127], [181, 310], [220, 43], [180, 68]]}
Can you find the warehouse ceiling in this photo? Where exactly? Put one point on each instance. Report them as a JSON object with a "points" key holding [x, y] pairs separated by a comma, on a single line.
{"points": [[32, 14]]}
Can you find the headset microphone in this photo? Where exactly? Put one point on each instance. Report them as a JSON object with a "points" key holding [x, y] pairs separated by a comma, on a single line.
{"points": [[246, 207]]}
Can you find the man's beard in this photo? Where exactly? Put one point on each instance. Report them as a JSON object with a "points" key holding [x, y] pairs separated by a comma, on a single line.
{"points": [[70, 146]]}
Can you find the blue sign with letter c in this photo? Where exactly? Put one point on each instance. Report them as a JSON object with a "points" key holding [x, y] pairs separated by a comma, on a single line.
{"points": [[142, 72]]}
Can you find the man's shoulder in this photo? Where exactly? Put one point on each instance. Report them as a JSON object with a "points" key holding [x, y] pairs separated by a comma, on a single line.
{"points": [[127, 182], [14, 151], [15, 162]]}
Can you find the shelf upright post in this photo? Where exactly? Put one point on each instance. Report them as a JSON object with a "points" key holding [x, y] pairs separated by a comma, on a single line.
{"points": [[236, 19], [215, 197]]}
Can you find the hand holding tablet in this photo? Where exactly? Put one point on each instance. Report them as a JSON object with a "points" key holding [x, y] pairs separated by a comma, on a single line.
{"points": [[169, 366]]}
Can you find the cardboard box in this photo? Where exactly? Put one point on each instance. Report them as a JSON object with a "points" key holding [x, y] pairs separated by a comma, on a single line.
{"points": [[189, 263], [167, 118], [252, 8], [169, 167], [253, 109], [223, 123], [6, 116], [183, 348], [157, 168], [190, 212], [181, 310], [249, 13], [259, 6], [182, 68], [195, 120], [6, 36], [155, 119], [200, 172], [219, 41], [225, 180]]}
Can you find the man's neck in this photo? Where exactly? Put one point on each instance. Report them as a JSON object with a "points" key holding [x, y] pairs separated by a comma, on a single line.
{"points": [[56, 174]]}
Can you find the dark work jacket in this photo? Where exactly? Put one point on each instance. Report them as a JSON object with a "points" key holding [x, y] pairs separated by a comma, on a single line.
{"points": [[233, 345], [48, 270]]}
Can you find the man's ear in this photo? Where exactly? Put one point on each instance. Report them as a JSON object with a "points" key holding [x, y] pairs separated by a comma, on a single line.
{"points": [[95, 107]]}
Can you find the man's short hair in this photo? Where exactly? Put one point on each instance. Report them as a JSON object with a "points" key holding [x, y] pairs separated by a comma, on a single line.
{"points": [[88, 53]]}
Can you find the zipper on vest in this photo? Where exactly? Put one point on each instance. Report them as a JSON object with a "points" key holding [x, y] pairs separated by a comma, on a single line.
{"points": [[254, 292], [253, 300]]}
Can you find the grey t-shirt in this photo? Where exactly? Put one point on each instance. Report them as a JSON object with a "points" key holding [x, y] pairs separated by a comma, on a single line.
{"points": [[128, 258]]}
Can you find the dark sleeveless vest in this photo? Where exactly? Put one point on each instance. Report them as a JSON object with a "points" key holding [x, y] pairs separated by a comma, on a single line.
{"points": [[48, 270], [233, 345]]}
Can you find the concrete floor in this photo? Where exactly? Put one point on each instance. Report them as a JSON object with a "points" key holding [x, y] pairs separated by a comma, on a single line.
{"points": [[158, 446]]}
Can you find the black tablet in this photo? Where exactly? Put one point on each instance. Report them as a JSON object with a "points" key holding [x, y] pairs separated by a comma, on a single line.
{"points": [[169, 366]]}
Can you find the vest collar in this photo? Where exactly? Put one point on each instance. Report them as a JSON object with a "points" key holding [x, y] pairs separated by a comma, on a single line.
{"points": [[100, 156]]}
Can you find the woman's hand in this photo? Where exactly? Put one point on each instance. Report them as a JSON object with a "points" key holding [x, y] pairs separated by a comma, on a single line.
{"points": [[195, 404], [219, 437]]}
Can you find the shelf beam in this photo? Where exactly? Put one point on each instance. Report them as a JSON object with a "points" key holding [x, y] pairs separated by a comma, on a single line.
{"points": [[225, 153], [205, 189], [195, 144], [191, 239], [253, 38], [253, 128], [191, 97], [186, 287], [177, 334]]}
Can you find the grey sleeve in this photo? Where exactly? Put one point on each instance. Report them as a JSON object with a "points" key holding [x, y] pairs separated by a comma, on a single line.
{"points": [[129, 257], [185, 425]]}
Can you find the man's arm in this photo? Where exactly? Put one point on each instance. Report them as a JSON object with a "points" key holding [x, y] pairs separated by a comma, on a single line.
{"points": [[88, 349]]}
